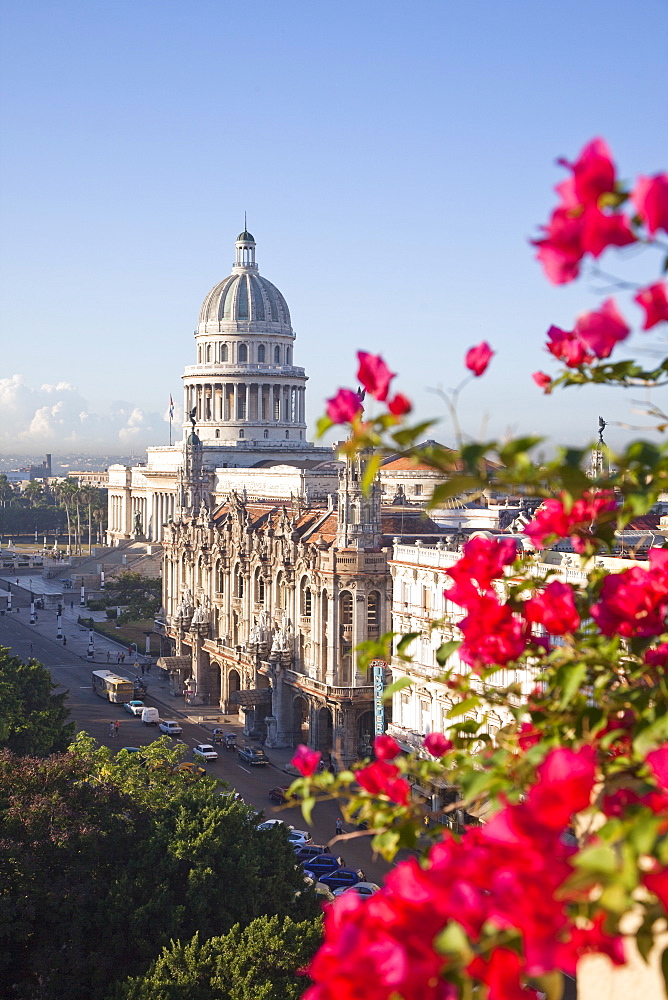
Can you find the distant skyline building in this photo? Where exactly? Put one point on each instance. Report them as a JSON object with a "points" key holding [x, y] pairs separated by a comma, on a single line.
{"points": [[244, 408]]}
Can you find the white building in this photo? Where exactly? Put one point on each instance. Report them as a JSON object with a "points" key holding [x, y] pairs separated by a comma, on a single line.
{"points": [[246, 398]]}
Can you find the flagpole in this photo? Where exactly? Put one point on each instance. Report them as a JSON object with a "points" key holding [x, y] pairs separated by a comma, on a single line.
{"points": [[170, 430]]}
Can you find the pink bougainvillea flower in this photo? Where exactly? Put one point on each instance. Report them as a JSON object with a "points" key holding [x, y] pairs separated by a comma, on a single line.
{"points": [[650, 196], [602, 328], [553, 607], [565, 782], [385, 748], [501, 974], [634, 602], [382, 778], [560, 250], [374, 375], [437, 744], [566, 346], [657, 882], [542, 380], [654, 300], [344, 407], [554, 520], [600, 230], [492, 633], [482, 561], [400, 405], [658, 762], [657, 657], [306, 760], [478, 358], [593, 173]]}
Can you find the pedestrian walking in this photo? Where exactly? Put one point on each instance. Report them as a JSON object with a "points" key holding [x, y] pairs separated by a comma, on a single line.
{"points": [[112, 729], [118, 657], [108, 656], [31, 649], [122, 657], [64, 641], [143, 669], [117, 726], [339, 827], [71, 605]]}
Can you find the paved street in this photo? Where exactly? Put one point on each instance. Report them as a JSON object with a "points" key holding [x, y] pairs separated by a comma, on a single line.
{"points": [[71, 670]]}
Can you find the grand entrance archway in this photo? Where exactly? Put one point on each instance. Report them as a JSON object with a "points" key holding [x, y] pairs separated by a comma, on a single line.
{"points": [[365, 734], [233, 684], [325, 731], [300, 721]]}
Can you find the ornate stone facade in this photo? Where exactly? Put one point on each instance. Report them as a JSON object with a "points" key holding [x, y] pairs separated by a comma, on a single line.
{"points": [[265, 604]]}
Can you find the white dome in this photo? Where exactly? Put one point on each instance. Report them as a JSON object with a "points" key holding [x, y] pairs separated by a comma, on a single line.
{"points": [[245, 299]]}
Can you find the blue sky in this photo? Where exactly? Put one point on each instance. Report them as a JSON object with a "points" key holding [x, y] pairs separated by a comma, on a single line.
{"points": [[393, 160]]}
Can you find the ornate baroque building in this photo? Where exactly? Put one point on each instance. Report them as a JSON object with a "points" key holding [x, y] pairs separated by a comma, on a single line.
{"points": [[265, 604]]}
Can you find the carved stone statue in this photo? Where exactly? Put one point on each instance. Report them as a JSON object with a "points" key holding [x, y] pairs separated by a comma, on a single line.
{"points": [[137, 524]]}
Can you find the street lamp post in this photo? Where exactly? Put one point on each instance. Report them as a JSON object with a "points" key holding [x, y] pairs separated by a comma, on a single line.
{"points": [[82, 598], [32, 608], [59, 626], [9, 600], [91, 645]]}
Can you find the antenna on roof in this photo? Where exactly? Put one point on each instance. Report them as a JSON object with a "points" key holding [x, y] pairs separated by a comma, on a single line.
{"points": [[245, 224]]}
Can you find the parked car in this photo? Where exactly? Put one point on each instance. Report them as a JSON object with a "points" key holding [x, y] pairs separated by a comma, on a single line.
{"points": [[323, 864], [303, 852], [170, 728], [269, 824], [321, 890], [361, 888], [342, 878], [134, 707], [205, 750], [299, 837], [150, 716], [252, 755], [279, 794]]}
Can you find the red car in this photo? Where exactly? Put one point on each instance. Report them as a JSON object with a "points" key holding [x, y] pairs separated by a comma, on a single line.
{"points": [[279, 794]]}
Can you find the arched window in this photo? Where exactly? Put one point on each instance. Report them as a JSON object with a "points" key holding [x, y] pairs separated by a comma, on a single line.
{"points": [[223, 352], [238, 582], [199, 354], [261, 351], [220, 580], [305, 599], [373, 611], [288, 355], [346, 607], [277, 355], [242, 353], [208, 353], [217, 432], [287, 435], [242, 434], [280, 592], [259, 587], [266, 433]]}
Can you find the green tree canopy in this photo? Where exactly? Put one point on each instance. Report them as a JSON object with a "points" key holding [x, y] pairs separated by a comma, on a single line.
{"points": [[107, 858], [258, 962], [141, 595], [33, 720]]}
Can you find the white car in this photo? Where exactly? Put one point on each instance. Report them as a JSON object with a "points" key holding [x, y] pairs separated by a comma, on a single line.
{"points": [[170, 727], [205, 750], [361, 888], [299, 837], [269, 824]]}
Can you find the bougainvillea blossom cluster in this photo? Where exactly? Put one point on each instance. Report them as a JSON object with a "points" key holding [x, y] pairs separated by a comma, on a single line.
{"points": [[510, 874], [556, 518]]}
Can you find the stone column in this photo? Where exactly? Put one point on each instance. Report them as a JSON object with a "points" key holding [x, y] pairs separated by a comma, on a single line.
{"points": [[332, 637]]}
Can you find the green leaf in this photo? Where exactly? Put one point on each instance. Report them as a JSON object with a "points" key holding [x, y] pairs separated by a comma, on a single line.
{"points": [[570, 679], [408, 435], [600, 858], [551, 984], [453, 941], [445, 651], [398, 685], [406, 640], [651, 736], [307, 808], [664, 968], [322, 426], [463, 707], [371, 468]]}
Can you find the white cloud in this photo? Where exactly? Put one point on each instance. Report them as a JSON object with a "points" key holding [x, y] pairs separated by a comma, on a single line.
{"points": [[57, 417]]}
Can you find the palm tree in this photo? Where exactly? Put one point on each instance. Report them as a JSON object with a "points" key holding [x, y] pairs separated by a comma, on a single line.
{"points": [[66, 493]]}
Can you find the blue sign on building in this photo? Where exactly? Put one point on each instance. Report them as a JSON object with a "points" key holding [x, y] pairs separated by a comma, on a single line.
{"points": [[379, 667]]}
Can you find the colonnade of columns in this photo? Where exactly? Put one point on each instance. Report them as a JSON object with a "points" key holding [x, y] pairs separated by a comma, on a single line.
{"points": [[162, 508], [252, 401], [117, 513]]}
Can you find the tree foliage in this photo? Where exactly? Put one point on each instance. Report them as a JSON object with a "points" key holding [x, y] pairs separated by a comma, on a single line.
{"points": [[106, 859], [259, 962], [140, 595], [33, 720]]}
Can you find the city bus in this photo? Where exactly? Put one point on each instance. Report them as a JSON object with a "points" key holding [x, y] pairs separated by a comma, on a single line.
{"points": [[112, 687]]}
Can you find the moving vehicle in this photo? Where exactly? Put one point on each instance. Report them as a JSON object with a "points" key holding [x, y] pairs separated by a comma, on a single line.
{"points": [[269, 824], [112, 687], [134, 707], [169, 727], [361, 888], [279, 794], [342, 878], [150, 716], [323, 864], [205, 750], [252, 755]]}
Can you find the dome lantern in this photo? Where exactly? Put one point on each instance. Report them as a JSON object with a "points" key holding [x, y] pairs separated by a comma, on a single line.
{"points": [[245, 245]]}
